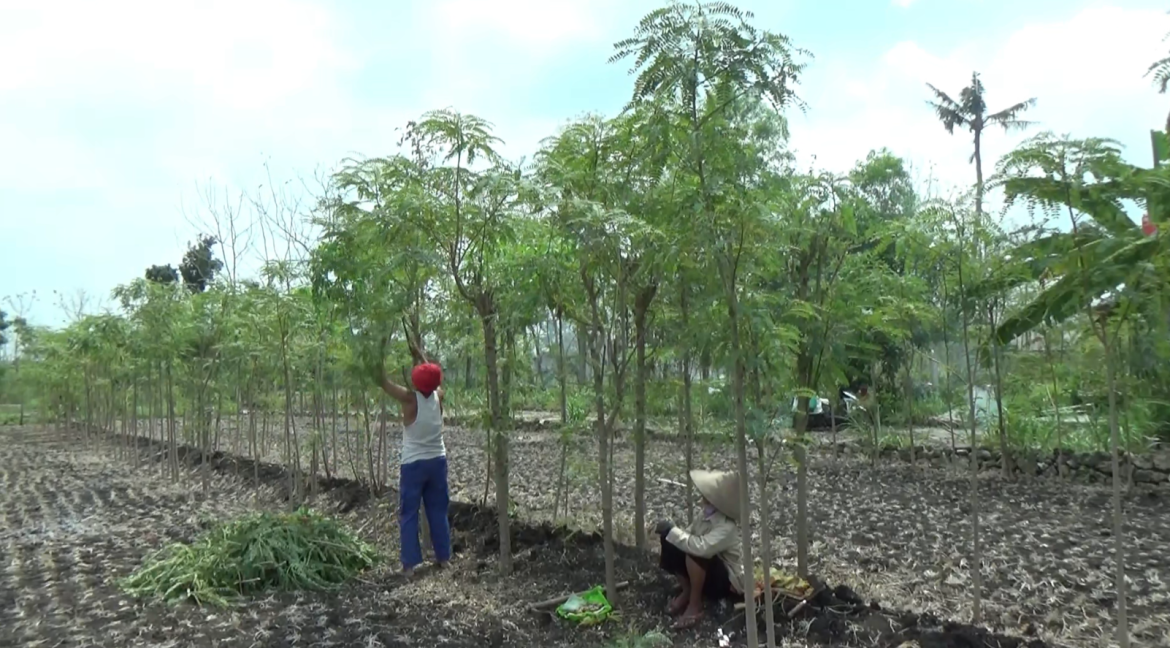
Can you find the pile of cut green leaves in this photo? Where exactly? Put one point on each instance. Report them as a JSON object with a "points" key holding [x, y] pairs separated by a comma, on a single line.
{"points": [[263, 552]]}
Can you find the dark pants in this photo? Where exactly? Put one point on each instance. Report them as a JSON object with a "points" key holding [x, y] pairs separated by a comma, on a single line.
{"points": [[716, 586], [424, 482]]}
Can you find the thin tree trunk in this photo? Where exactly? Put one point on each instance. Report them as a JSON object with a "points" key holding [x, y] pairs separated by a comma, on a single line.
{"points": [[172, 441], [562, 377], [499, 438], [603, 451], [582, 362], [910, 408], [292, 442], [973, 457], [688, 421], [133, 439], [738, 388], [1054, 398], [766, 548], [333, 432], [641, 309], [1118, 516], [947, 363], [1004, 451]]}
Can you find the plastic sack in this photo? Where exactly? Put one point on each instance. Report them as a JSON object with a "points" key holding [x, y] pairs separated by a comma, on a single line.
{"points": [[588, 608]]}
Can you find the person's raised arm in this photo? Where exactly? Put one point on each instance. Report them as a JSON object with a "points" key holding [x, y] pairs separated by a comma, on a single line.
{"points": [[396, 391]]}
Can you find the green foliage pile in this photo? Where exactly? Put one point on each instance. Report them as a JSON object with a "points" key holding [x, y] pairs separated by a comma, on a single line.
{"points": [[289, 551]]}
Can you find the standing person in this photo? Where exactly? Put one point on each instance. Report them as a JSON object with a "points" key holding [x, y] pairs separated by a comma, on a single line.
{"points": [[705, 557], [423, 472]]}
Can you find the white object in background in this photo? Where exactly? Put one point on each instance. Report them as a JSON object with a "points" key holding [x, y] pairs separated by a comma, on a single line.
{"points": [[814, 405]]}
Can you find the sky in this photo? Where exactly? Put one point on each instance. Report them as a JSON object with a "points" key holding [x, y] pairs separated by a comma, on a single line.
{"points": [[124, 124]]}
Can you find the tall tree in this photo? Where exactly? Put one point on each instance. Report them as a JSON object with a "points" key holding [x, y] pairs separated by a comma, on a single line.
{"points": [[970, 113], [199, 265], [468, 215], [698, 62], [1161, 71]]}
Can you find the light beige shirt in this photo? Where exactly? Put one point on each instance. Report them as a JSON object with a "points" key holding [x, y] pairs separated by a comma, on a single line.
{"points": [[707, 537]]}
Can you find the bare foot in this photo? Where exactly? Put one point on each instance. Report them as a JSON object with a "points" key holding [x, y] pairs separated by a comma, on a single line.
{"points": [[678, 604], [688, 620]]}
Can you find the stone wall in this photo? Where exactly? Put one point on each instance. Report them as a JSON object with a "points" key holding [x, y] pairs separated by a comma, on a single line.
{"points": [[1151, 469]]}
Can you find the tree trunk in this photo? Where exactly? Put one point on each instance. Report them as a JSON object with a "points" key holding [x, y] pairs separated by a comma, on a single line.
{"points": [[804, 373], [292, 441], [1060, 469], [910, 407], [499, 435], [562, 378], [641, 309], [582, 358], [1004, 451], [738, 388], [603, 452], [133, 439], [506, 371], [1118, 516], [766, 548], [172, 441], [947, 363], [973, 457], [688, 420], [978, 170]]}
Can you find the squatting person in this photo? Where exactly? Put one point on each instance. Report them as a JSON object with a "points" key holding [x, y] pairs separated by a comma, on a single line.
{"points": [[423, 473], [705, 556]]}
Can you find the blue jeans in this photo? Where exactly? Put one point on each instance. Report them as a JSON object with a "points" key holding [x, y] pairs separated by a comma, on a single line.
{"points": [[425, 482]]}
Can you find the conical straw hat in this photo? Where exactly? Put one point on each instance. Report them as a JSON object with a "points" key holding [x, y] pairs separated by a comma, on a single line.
{"points": [[720, 488]]}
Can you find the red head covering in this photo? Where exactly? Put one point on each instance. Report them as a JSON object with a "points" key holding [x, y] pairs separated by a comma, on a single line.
{"points": [[427, 378]]}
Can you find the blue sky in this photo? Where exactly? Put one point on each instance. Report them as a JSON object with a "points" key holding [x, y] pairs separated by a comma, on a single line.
{"points": [[117, 117]]}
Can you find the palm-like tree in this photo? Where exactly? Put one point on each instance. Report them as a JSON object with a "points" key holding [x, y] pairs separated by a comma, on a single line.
{"points": [[970, 113], [1161, 71]]}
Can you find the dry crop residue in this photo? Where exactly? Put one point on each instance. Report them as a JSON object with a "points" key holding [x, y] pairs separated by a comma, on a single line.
{"points": [[75, 521]]}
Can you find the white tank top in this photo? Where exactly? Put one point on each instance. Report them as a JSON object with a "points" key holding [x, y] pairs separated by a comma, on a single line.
{"points": [[423, 439]]}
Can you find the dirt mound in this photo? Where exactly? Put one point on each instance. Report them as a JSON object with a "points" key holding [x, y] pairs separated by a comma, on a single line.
{"points": [[839, 616], [474, 527]]}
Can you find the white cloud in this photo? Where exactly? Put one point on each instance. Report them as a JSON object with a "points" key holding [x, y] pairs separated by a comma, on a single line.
{"points": [[489, 43], [190, 75], [242, 55], [547, 24], [1086, 73], [110, 110]]}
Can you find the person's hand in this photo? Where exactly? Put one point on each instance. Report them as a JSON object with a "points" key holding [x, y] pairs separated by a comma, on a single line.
{"points": [[663, 527], [376, 371], [375, 365]]}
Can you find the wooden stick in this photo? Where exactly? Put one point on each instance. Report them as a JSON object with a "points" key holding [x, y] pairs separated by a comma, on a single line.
{"points": [[553, 602], [776, 595], [798, 608]]}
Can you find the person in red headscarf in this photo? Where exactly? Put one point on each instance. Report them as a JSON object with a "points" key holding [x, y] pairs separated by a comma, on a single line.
{"points": [[423, 473]]}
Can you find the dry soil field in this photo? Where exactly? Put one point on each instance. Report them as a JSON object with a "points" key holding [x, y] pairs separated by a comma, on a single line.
{"points": [[74, 521]]}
